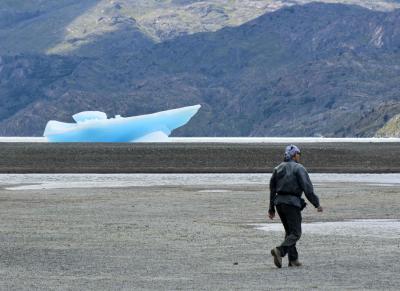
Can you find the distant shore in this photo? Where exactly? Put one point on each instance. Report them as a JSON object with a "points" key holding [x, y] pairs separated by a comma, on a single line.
{"points": [[238, 139], [195, 157]]}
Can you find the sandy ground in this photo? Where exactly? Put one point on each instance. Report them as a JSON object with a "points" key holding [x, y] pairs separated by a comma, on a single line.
{"points": [[189, 237]]}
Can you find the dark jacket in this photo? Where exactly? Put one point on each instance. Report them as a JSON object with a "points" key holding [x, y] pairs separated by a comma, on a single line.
{"points": [[289, 180]]}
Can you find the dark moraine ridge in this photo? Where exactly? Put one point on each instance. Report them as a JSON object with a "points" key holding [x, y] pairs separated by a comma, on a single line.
{"points": [[194, 157]]}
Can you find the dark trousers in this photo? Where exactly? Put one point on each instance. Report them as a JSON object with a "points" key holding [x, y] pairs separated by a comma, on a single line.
{"points": [[291, 220]]}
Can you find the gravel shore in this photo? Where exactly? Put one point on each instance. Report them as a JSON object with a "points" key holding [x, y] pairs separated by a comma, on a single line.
{"points": [[189, 237]]}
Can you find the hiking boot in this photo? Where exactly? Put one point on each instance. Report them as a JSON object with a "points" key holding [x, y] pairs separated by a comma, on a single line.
{"points": [[277, 257], [295, 263]]}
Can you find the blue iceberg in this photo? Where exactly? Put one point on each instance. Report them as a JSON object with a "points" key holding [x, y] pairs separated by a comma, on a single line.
{"points": [[94, 126]]}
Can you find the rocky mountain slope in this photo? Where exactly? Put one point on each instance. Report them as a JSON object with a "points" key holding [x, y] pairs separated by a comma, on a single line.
{"points": [[391, 128], [98, 27], [309, 70]]}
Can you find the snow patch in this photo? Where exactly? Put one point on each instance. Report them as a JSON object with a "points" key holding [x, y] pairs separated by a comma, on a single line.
{"points": [[377, 37]]}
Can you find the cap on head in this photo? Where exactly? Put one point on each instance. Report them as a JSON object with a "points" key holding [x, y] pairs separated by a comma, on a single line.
{"points": [[291, 151]]}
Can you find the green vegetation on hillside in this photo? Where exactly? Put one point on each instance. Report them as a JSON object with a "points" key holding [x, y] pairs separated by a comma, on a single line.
{"points": [[65, 26], [391, 128]]}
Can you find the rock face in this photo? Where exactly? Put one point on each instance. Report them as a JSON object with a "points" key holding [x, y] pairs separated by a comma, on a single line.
{"points": [[309, 70]]}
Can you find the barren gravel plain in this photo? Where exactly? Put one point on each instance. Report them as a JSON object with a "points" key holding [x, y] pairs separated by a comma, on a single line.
{"points": [[191, 232]]}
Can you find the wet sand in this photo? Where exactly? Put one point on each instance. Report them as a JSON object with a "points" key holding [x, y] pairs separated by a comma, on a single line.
{"points": [[191, 236], [195, 157]]}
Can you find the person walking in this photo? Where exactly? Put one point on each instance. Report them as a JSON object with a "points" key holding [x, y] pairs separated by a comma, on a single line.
{"points": [[289, 180]]}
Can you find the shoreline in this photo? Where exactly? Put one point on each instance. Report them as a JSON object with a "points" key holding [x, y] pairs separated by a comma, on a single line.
{"points": [[36, 139]]}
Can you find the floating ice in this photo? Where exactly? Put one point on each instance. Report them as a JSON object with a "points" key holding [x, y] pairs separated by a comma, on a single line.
{"points": [[93, 126], [89, 115]]}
